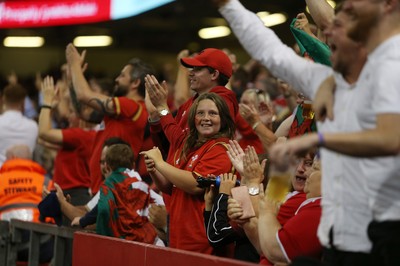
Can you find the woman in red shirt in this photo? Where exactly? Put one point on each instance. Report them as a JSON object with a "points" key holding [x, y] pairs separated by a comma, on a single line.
{"points": [[201, 151]]}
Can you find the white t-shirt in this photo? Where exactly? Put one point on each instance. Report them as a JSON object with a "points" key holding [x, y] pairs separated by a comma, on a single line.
{"points": [[380, 80], [16, 129], [345, 200]]}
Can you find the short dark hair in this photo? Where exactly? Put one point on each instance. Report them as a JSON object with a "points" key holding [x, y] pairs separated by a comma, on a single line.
{"points": [[139, 71], [120, 156], [14, 94], [114, 140], [222, 79]]}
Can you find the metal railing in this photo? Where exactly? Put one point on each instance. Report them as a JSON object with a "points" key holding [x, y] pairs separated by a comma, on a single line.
{"points": [[11, 242]]}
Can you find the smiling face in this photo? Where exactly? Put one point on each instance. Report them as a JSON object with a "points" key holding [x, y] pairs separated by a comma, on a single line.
{"points": [[207, 119], [201, 80]]}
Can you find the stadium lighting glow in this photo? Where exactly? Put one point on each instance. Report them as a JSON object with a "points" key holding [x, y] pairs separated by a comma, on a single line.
{"points": [[214, 32], [93, 41], [23, 41], [272, 19]]}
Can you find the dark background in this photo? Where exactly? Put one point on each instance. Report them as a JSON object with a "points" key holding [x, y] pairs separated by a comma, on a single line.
{"points": [[157, 36]]}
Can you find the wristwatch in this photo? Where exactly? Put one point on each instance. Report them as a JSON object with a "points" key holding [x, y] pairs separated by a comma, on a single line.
{"points": [[163, 112], [253, 191]]}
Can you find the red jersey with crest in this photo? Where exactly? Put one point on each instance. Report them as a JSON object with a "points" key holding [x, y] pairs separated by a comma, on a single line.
{"points": [[123, 208], [128, 123], [186, 222], [298, 236], [286, 212]]}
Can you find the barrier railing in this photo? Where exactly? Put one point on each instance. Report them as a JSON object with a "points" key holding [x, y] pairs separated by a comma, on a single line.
{"points": [[4, 241], [91, 249], [11, 242]]}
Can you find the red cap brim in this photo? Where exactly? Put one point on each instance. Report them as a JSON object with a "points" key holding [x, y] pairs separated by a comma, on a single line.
{"points": [[191, 62]]}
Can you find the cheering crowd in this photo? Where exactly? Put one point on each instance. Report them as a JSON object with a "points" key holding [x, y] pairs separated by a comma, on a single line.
{"points": [[196, 161]]}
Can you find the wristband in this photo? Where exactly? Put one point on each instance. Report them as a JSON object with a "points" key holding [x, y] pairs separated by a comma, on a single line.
{"points": [[153, 122], [321, 139], [46, 106], [255, 125]]}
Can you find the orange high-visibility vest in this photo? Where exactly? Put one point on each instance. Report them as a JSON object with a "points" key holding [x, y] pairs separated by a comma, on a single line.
{"points": [[21, 188]]}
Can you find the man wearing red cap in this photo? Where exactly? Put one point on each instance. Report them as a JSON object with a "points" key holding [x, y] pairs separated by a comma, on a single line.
{"points": [[210, 72]]}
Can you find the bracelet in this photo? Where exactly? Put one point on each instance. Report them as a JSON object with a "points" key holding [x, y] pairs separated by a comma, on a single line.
{"points": [[46, 106], [321, 139], [153, 122], [255, 125]]}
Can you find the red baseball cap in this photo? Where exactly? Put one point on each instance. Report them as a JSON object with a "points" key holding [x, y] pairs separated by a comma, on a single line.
{"points": [[210, 57]]}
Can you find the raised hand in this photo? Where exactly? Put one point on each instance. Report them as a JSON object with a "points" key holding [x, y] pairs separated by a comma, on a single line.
{"points": [[182, 54], [253, 173], [250, 113], [74, 57], [151, 109], [158, 93], [235, 154], [285, 152], [48, 90], [303, 24]]}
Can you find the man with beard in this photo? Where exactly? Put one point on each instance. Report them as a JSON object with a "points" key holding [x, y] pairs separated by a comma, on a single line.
{"points": [[345, 216], [125, 114], [376, 24]]}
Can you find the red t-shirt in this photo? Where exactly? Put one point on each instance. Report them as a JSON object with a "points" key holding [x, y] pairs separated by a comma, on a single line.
{"points": [[186, 211], [71, 165], [298, 237], [128, 123], [286, 212], [290, 206], [186, 222], [249, 137]]}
